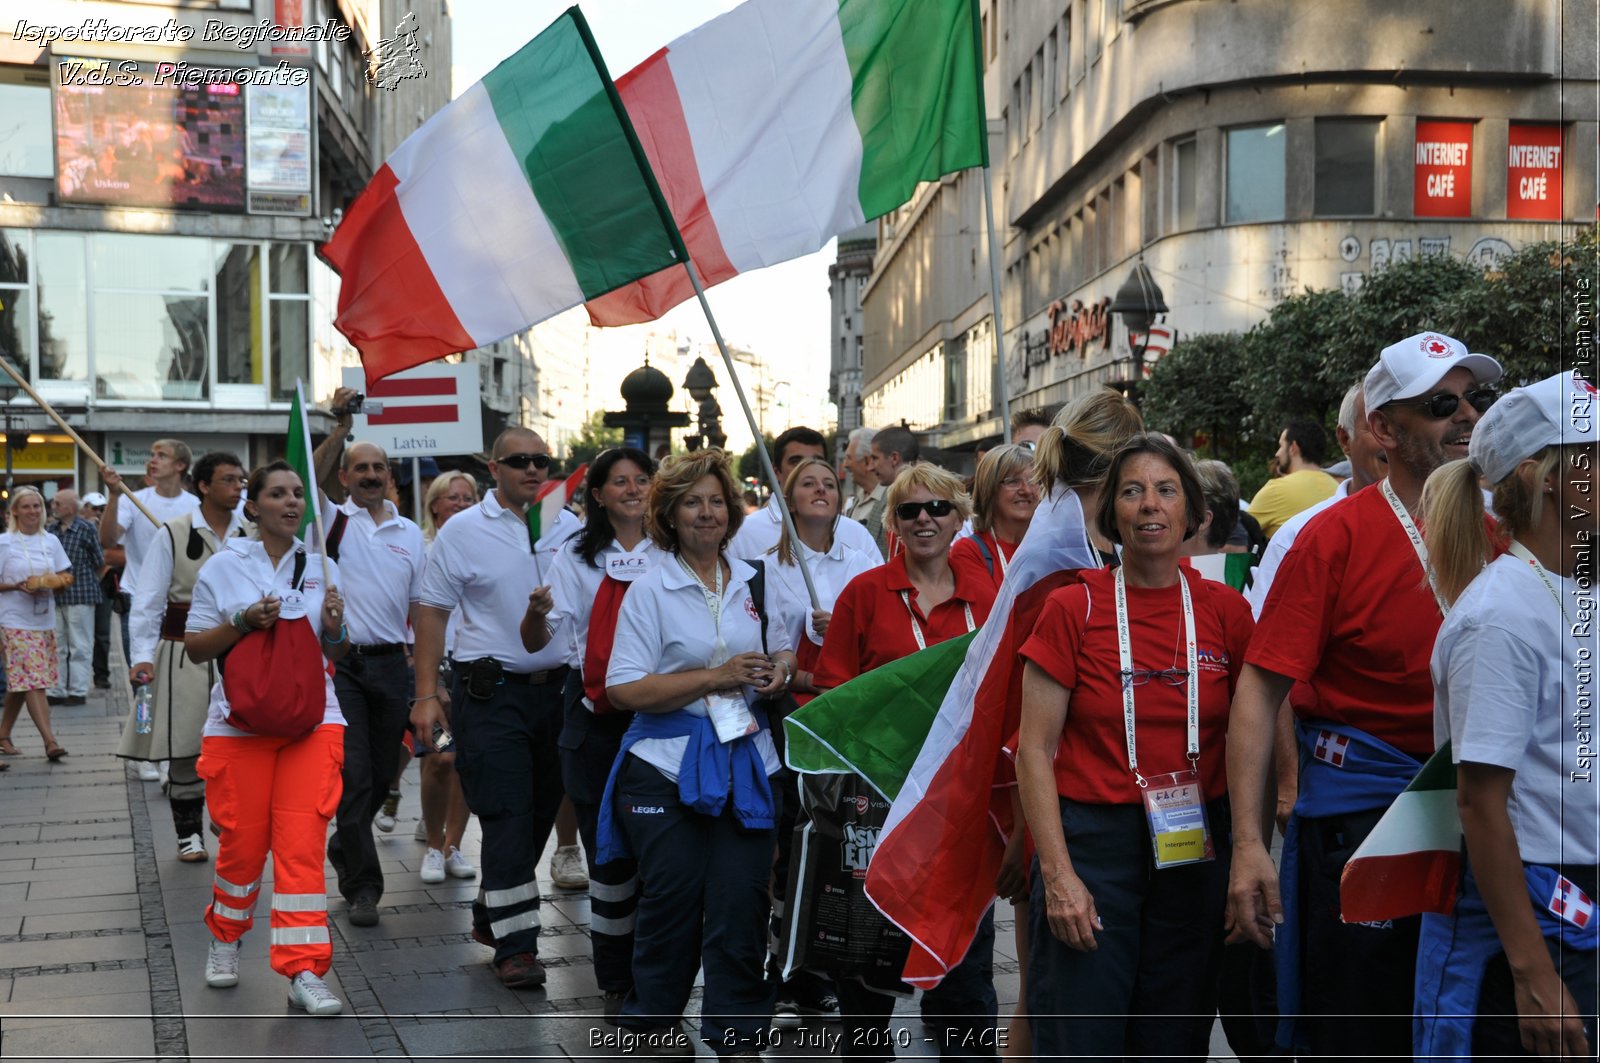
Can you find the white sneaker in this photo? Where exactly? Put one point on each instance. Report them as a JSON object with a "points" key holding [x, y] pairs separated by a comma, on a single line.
{"points": [[148, 772], [421, 833], [433, 867], [222, 964], [312, 995], [456, 864], [567, 870], [384, 820], [192, 850]]}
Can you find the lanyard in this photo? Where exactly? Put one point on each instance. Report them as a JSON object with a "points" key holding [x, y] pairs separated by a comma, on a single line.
{"points": [[1522, 553], [713, 599], [1410, 528], [916, 628], [1125, 653], [1000, 552]]}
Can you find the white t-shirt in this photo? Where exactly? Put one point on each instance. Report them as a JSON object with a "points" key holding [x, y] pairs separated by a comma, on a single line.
{"points": [[830, 571], [665, 626], [236, 577], [384, 563], [22, 556], [1505, 693], [140, 533], [760, 530], [482, 561], [576, 582]]}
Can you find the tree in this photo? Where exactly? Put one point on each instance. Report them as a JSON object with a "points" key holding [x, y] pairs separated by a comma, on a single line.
{"points": [[594, 438], [750, 462], [1194, 392]]}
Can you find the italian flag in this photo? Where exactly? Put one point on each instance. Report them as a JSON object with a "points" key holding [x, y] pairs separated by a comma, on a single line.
{"points": [[525, 196], [297, 452], [932, 873], [1411, 862], [783, 123], [551, 500]]}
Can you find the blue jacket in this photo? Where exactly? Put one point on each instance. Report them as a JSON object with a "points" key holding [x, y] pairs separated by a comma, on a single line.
{"points": [[710, 775]]}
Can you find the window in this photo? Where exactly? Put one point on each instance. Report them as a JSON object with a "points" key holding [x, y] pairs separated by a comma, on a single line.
{"points": [[63, 287], [290, 319], [955, 379], [1050, 71], [238, 287], [1040, 87], [1150, 209], [1097, 30], [1014, 120], [1255, 174], [1346, 167], [994, 34], [1184, 183], [1029, 114], [26, 145], [16, 327], [1064, 57], [151, 316]]}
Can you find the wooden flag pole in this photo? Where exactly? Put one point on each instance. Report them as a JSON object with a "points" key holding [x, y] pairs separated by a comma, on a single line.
{"points": [[5, 363], [761, 444]]}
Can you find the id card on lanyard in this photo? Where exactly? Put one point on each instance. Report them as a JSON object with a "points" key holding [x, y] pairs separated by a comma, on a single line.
{"points": [[1175, 807], [729, 714]]}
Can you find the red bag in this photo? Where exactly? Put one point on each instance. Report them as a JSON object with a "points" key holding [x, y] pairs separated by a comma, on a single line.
{"points": [[275, 680], [602, 636]]}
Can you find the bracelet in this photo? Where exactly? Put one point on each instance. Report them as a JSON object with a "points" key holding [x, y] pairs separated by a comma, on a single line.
{"points": [[239, 621], [337, 641], [788, 674], [425, 697]]}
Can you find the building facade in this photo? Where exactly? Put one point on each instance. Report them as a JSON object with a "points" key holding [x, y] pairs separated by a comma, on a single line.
{"points": [[846, 279], [1247, 150]]}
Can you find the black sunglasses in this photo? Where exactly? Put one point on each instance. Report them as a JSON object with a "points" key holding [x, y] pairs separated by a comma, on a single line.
{"points": [[1445, 404], [522, 461], [939, 507]]}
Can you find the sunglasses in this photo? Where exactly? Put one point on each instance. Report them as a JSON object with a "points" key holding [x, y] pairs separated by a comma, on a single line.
{"points": [[1172, 677], [939, 507], [522, 461], [1445, 404]]}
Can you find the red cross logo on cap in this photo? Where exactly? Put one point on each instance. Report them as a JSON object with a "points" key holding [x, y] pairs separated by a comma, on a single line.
{"points": [[1584, 385], [1434, 347]]}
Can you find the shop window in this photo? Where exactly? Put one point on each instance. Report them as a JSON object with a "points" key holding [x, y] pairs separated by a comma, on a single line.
{"points": [[1346, 167], [1255, 179]]}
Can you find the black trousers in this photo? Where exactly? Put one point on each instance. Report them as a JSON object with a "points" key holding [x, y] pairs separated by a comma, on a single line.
{"points": [[1149, 991], [372, 694], [589, 745], [511, 777]]}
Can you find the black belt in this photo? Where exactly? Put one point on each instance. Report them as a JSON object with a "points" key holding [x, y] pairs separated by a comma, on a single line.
{"points": [[535, 679], [378, 649]]}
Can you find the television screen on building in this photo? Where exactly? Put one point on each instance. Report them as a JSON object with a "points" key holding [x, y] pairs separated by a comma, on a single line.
{"points": [[123, 139]]}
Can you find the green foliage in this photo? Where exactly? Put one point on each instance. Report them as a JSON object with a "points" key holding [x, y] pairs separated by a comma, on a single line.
{"points": [[1194, 393], [594, 438], [750, 462]]}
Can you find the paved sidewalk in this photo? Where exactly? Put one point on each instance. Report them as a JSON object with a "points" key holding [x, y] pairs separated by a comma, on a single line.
{"points": [[102, 948]]}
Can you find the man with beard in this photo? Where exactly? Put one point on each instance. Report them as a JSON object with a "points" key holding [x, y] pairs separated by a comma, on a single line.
{"points": [[380, 555], [505, 703], [1352, 614], [180, 689]]}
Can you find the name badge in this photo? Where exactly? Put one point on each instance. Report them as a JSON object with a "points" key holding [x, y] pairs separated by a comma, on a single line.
{"points": [[291, 604], [628, 567], [730, 715], [1179, 830]]}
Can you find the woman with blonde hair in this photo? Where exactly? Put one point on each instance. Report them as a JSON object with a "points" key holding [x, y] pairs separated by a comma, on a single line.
{"points": [[1513, 969], [32, 564], [449, 493], [1076, 450], [1004, 497]]}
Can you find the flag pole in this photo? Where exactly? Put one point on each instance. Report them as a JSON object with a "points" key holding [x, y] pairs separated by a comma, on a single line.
{"points": [[755, 430], [5, 363], [313, 491], [994, 299]]}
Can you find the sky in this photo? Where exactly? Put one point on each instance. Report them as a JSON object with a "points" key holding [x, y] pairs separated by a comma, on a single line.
{"points": [[782, 312]]}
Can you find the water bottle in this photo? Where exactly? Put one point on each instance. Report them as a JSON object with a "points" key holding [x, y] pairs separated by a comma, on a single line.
{"points": [[141, 709]]}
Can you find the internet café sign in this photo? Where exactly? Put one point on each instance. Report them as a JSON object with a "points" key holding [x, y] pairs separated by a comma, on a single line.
{"points": [[1069, 327]]}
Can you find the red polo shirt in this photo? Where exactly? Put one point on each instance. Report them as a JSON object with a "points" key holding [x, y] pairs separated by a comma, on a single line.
{"points": [[966, 555], [871, 625]]}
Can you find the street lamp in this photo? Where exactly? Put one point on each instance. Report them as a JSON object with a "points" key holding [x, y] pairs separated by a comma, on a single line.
{"points": [[1138, 302], [699, 384]]}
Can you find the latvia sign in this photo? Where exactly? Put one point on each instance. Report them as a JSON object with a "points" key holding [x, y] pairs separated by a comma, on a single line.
{"points": [[430, 410]]}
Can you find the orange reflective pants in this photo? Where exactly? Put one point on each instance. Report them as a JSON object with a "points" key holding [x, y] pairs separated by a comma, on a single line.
{"points": [[274, 795]]}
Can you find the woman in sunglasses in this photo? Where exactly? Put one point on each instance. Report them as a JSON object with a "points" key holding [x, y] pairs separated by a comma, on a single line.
{"points": [[1003, 500], [1513, 969], [909, 603], [1121, 766]]}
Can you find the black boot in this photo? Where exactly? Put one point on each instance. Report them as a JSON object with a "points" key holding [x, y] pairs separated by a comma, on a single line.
{"points": [[188, 817]]}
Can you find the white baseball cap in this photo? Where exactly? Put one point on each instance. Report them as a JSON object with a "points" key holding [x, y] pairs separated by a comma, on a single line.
{"points": [[1417, 363], [1562, 409], [95, 499]]}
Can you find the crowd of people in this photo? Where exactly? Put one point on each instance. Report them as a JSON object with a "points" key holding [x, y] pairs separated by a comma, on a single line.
{"points": [[1224, 671]]}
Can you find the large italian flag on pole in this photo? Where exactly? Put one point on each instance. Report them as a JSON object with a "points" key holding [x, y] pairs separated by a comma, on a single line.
{"points": [[1411, 861], [525, 196], [783, 123]]}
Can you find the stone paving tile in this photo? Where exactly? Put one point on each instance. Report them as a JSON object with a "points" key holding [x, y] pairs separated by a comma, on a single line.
{"points": [[92, 847], [82, 1040], [290, 1034], [65, 905], [63, 874], [116, 880], [73, 1010], [55, 951], [437, 958], [126, 919]]}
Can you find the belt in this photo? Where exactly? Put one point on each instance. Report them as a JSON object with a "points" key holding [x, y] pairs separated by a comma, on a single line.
{"points": [[174, 620], [378, 649], [534, 679]]}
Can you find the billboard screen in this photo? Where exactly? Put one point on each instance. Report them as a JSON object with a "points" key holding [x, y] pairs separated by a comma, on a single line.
{"points": [[280, 178], [147, 145]]}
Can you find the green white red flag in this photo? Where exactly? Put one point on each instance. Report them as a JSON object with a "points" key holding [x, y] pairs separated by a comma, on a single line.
{"points": [[1411, 861], [550, 500]]}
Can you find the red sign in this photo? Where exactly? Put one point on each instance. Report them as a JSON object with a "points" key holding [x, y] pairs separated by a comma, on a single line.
{"points": [[1444, 170], [290, 15], [1533, 172]]}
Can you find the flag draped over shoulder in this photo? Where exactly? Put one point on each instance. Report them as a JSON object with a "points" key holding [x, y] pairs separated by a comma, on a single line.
{"points": [[783, 123], [1411, 862], [297, 452], [525, 196], [933, 871]]}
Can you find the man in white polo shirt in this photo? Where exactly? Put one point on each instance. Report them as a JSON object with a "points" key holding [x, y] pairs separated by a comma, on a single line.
{"points": [[381, 555], [505, 703]]}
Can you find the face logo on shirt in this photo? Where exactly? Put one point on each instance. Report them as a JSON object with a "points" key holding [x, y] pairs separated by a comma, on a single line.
{"points": [[750, 609]]}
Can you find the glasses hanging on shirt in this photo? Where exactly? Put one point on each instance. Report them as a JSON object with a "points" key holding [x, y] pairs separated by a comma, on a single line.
{"points": [[1138, 677]]}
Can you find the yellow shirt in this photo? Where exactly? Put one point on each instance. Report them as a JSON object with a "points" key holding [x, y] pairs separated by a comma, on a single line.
{"points": [[1282, 498]]}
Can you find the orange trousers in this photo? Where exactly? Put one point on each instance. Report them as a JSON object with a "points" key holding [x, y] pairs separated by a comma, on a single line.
{"points": [[274, 795]]}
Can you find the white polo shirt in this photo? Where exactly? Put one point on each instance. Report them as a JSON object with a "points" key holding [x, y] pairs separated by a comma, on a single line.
{"points": [[140, 533], [482, 561], [236, 577], [150, 593], [829, 571], [760, 530], [664, 627], [1281, 543], [576, 583], [384, 564]]}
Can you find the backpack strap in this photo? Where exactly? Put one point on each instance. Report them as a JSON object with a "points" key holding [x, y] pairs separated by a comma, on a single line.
{"points": [[983, 550], [758, 595], [336, 533], [299, 569]]}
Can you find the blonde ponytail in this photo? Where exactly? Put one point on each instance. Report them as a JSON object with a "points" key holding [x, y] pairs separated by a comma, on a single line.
{"points": [[1453, 527], [1076, 449]]}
